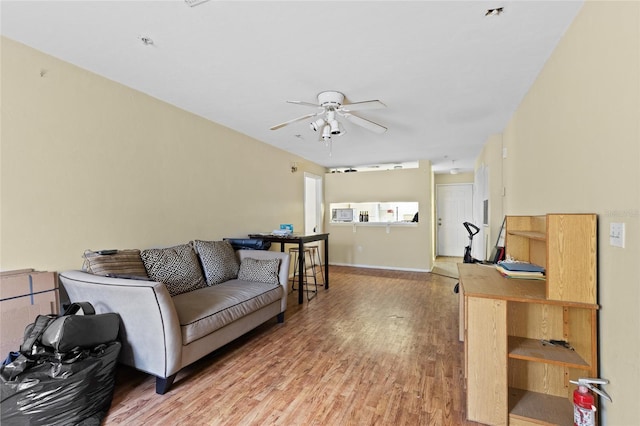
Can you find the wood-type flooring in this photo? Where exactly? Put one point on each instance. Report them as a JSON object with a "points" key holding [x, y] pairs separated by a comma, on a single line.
{"points": [[378, 348]]}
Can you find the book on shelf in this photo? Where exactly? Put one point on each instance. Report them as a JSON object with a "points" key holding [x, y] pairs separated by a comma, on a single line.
{"points": [[521, 267], [524, 275]]}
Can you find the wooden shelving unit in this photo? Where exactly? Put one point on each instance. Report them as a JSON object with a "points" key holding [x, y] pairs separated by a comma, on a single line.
{"points": [[505, 322]]}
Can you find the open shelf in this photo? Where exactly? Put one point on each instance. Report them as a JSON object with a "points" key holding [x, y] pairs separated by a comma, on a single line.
{"points": [[539, 236], [527, 405], [533, 350]]}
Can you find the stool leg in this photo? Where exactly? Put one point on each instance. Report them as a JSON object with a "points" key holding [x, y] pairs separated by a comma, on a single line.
{"points": [[319, 264], [313, 271], [295, 269]]}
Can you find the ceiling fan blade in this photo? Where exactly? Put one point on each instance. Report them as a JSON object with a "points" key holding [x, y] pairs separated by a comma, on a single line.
{"points": [[286, 123], [360, 106], [367, 124], [304, 103]]}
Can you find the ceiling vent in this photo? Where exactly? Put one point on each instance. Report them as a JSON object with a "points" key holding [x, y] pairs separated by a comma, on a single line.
{"points": [[494, 12], [195, 2]]}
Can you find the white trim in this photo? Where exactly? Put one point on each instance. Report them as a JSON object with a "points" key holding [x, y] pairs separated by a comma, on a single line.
{"points": [[390, 268], [405, 224], [319, 188]]}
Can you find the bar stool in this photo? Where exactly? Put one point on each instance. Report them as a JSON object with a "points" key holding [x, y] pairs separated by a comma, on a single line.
{"points": [[311, 266], [315, 253]]}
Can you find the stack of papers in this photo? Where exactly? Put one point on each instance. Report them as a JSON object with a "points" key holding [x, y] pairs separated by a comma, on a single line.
{"points": [[521, 270], [281, 232]]}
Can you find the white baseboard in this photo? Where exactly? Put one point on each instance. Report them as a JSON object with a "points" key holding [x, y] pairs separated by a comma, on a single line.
{"points": [[391, 268]]}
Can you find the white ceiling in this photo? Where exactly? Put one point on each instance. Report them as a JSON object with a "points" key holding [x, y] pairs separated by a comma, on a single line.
{"points": [[449, 75]]}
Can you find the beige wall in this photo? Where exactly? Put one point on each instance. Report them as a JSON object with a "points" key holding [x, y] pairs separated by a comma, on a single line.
{"points": [[448, 178], [574, 146], [491, 157], [87, 163], [378, 246]]}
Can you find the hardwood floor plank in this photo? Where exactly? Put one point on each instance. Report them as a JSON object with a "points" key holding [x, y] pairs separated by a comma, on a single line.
{"points": [[379, 348]]}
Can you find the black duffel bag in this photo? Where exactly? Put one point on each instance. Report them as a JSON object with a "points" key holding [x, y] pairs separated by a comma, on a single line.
{"points": [[64, 373], [248, 243]]}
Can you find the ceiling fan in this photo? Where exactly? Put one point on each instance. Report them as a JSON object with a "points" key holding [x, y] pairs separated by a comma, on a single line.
{"points": [[330, 105]]}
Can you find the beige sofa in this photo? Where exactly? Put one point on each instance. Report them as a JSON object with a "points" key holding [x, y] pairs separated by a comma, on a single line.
{"points": [[161, 333]]}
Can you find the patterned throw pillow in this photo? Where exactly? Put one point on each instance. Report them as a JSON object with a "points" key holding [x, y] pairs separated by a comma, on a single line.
{"points": [[177, 267], [218, 259], [122, 262], [260, 270]]}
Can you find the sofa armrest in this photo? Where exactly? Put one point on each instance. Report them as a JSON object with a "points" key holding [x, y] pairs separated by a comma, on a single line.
{"points": [[150, 330], [283, 272]]}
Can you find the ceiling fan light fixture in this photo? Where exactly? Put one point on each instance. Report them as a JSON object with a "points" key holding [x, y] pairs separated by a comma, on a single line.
{"points": [[326, 133], [316, 125], [335, 127]]}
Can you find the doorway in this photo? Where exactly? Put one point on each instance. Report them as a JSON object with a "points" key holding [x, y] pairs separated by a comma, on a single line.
{"points": [[312, 204], [454, 206]]}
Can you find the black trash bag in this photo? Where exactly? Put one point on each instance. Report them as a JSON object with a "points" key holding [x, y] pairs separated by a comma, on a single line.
{"points": [[64, 373], [76, 391]]}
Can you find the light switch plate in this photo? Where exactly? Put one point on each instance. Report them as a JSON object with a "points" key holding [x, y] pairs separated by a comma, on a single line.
{"points": [[616, 234]]}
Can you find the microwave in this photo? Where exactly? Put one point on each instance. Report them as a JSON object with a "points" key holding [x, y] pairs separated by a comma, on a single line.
{"points": [[343, 215]]}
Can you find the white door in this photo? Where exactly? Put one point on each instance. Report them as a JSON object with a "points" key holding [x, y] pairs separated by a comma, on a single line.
{"points": [[312, 203], [454, 204]]}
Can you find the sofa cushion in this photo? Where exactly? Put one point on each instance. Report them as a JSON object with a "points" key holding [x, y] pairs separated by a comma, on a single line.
{"points": [[122, 262], [218, 259], [203, 311], [177, 267], [260, 270]]}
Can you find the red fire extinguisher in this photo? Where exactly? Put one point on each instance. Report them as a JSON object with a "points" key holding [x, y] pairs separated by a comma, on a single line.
{"points": [[584, 402]]}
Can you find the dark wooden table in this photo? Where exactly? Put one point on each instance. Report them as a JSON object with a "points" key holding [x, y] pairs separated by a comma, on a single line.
{"points": [[300, 240]]}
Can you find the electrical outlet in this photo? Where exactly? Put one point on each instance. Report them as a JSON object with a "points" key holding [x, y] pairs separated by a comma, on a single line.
{"points": [[616, 235]]}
